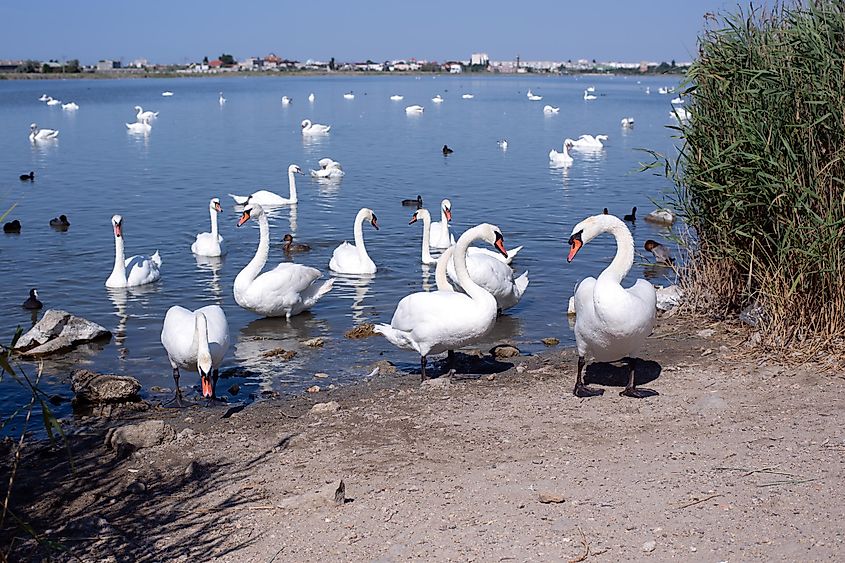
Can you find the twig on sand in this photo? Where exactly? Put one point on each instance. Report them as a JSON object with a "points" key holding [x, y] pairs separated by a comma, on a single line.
{"points": [[281, 549], [794, 482], [586, 548], [286, 415], [770, 470], [262, 507], [698, 501]]}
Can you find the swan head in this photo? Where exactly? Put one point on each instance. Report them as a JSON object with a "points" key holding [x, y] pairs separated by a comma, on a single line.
{"points": [[420, 214], [601, 137], [590, 228], [138, 108], [446, 207], [117, 224], [215, 205], [295, 169], [251, 210], [33, 126], [492, 235], [371, 216], [306, 123], [568, 144]]}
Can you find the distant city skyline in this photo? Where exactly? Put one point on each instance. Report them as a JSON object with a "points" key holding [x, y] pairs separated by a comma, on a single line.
{"points": [[179, 32]]}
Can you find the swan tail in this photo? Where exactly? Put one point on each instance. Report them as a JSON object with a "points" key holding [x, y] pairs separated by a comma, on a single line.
{"points": [[156, 258], [521, 283], [313, 294], [240, 199]]}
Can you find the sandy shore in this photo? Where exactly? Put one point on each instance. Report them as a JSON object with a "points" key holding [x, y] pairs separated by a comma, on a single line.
{"points": [[736, 460]]}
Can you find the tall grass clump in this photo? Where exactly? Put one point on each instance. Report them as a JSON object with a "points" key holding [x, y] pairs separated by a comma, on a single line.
{"points": [[760, 176]]}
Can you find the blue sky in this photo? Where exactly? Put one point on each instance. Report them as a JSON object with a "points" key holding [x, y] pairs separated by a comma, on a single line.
{"points": [[177, 31]]}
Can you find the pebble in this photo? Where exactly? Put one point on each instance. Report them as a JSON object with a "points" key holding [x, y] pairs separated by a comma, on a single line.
{"points": [[649, 546], [320, 408], [551, 341], [314, 342], [551, 498], [437, 383], [313, 389], [321, 375], [279, 353], [706, 333], [504, 351], [234, 389]]}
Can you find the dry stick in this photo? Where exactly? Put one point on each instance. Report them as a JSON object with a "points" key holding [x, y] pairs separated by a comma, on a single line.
{"points": [[277, 553], [796, 482], [288, 415], [586, 548], [262, 507], [693, 503]]}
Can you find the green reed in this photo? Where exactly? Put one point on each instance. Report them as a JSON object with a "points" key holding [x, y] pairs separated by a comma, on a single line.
{"points": [[761, 175]]}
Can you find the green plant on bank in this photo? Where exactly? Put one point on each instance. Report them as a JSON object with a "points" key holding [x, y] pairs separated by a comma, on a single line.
{"points": [[760, 176]]}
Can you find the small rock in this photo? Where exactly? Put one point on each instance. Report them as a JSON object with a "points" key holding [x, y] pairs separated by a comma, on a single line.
{"points": [[313, 389], [320, 408], [332, 494], [520, 369], [131, 437], [234, 389], [551, 498], [490, 377], [649, 546], [661, 217], [706, 333], [314, 342], [279, 353], [158, 389], [321, 375], [185, 434], [754, 340], [551, 341], [669, 297], [363, 330], [385, 367], [504, 351], [436, 383], [92, 387]]}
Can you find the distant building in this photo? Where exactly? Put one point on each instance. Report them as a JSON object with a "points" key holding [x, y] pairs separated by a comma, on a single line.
{"points": [[10, 66], [139, 63], [479, 59], [106, 64]]}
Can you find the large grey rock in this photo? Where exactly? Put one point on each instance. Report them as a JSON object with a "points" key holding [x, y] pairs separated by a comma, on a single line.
{"points": [[57, 331], [147, 434], [92, 387], [669, 297]]}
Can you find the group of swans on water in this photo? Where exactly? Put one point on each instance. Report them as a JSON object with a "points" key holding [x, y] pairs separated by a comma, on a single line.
{"points": [[70, 106], [143, 121], [583, 143]]}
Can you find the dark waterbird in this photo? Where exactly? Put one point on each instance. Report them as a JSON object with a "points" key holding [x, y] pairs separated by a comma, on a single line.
{"points": [[632, 217], [605, 211], [12, 227], [27, 177], [447, 150], [60, 222], [662, 255], [291, 246], [32, 303], [413, 202]]}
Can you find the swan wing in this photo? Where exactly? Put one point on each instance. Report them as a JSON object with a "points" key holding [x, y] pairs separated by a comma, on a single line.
{"points": [[142, 269], [177, 336], [346, 260], [218, 332]]}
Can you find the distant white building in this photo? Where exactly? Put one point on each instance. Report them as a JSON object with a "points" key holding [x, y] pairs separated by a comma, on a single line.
{"points": [[455, 68], [108, 65], [479, 59]]}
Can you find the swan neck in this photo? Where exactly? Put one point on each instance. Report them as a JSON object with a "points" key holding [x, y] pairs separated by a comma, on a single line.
{"points": [[624, 259], [426, 243], [358, 230], [201, 335], [119, 269], [292, 184], [460, 259], [251, 270], [213, 213], [444, 224], [440, 277]]}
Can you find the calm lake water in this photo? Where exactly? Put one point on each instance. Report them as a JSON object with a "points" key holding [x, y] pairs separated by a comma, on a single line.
{"points": [[197, 149]]}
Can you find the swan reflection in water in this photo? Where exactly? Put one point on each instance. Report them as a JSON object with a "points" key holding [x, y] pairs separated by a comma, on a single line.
{"points": [[121, 298], [328, 186], [212, 264], [356, 288], [259, 342]]}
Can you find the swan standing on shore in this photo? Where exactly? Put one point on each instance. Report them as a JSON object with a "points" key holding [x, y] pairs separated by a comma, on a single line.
{"points": [[561, 159], [36, 134], [210, 244], [196, 340], [268, 198], [353, 259], [136, 270], [612, 322], [440, 235], [286, 290], [309, 128], [440, 321]]}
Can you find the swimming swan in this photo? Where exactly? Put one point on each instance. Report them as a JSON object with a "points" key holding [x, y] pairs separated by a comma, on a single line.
{"points": [[133, 271], [612, 322], [36, 134], [560, 159], [144, 116], [437, 321], [423, 215], [196, 340], [588, 142], [268, 198], [353, 259], [588, 96], [550, 110], [440, 235], [210, 244], [286, 290], [415, 109], [309, 128], [328, 169]]}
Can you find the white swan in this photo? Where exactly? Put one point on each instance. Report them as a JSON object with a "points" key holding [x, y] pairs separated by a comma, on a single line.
{"points": [[680, 114], [309, 128], [349, 96], [196, 340], [268, 198], [43, 98], [36, 134], [588, 96], [591, 89], [167, 93], [534, 97], [328, 169], [423, 215], [415, 109], [286, 290], [627, 122], [397, 97], [286, 100], [144, 116], [549, 110], [611, 322], [559, 159], [438, 99], [678, 100], [139, 127], [221, 100], [70, 106], [493, 274], [437, 321], [311, 97], [210, 244], [52, 102], [588, 142], [136, 270], [467, 96], [353, 259], [440, 235], [503, 144]]}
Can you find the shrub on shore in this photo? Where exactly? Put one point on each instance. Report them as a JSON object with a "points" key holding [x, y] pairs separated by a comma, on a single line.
{"points": [[760, 177]]}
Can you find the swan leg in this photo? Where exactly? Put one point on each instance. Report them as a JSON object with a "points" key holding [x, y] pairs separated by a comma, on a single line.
{"points": [[178, 398], [450, 363], [216, 374], [423, 360], [582, 390], [632, 391]]}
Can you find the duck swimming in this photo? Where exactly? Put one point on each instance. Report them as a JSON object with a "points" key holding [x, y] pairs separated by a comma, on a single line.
{"points": [[27, 177], [32, 303], [447, 150], [291, 246], [60, 222], [418, 203], [632, 217], [12, 227]]}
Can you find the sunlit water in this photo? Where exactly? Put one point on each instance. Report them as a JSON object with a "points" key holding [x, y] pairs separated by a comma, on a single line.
{"points": [[197, 149]]}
